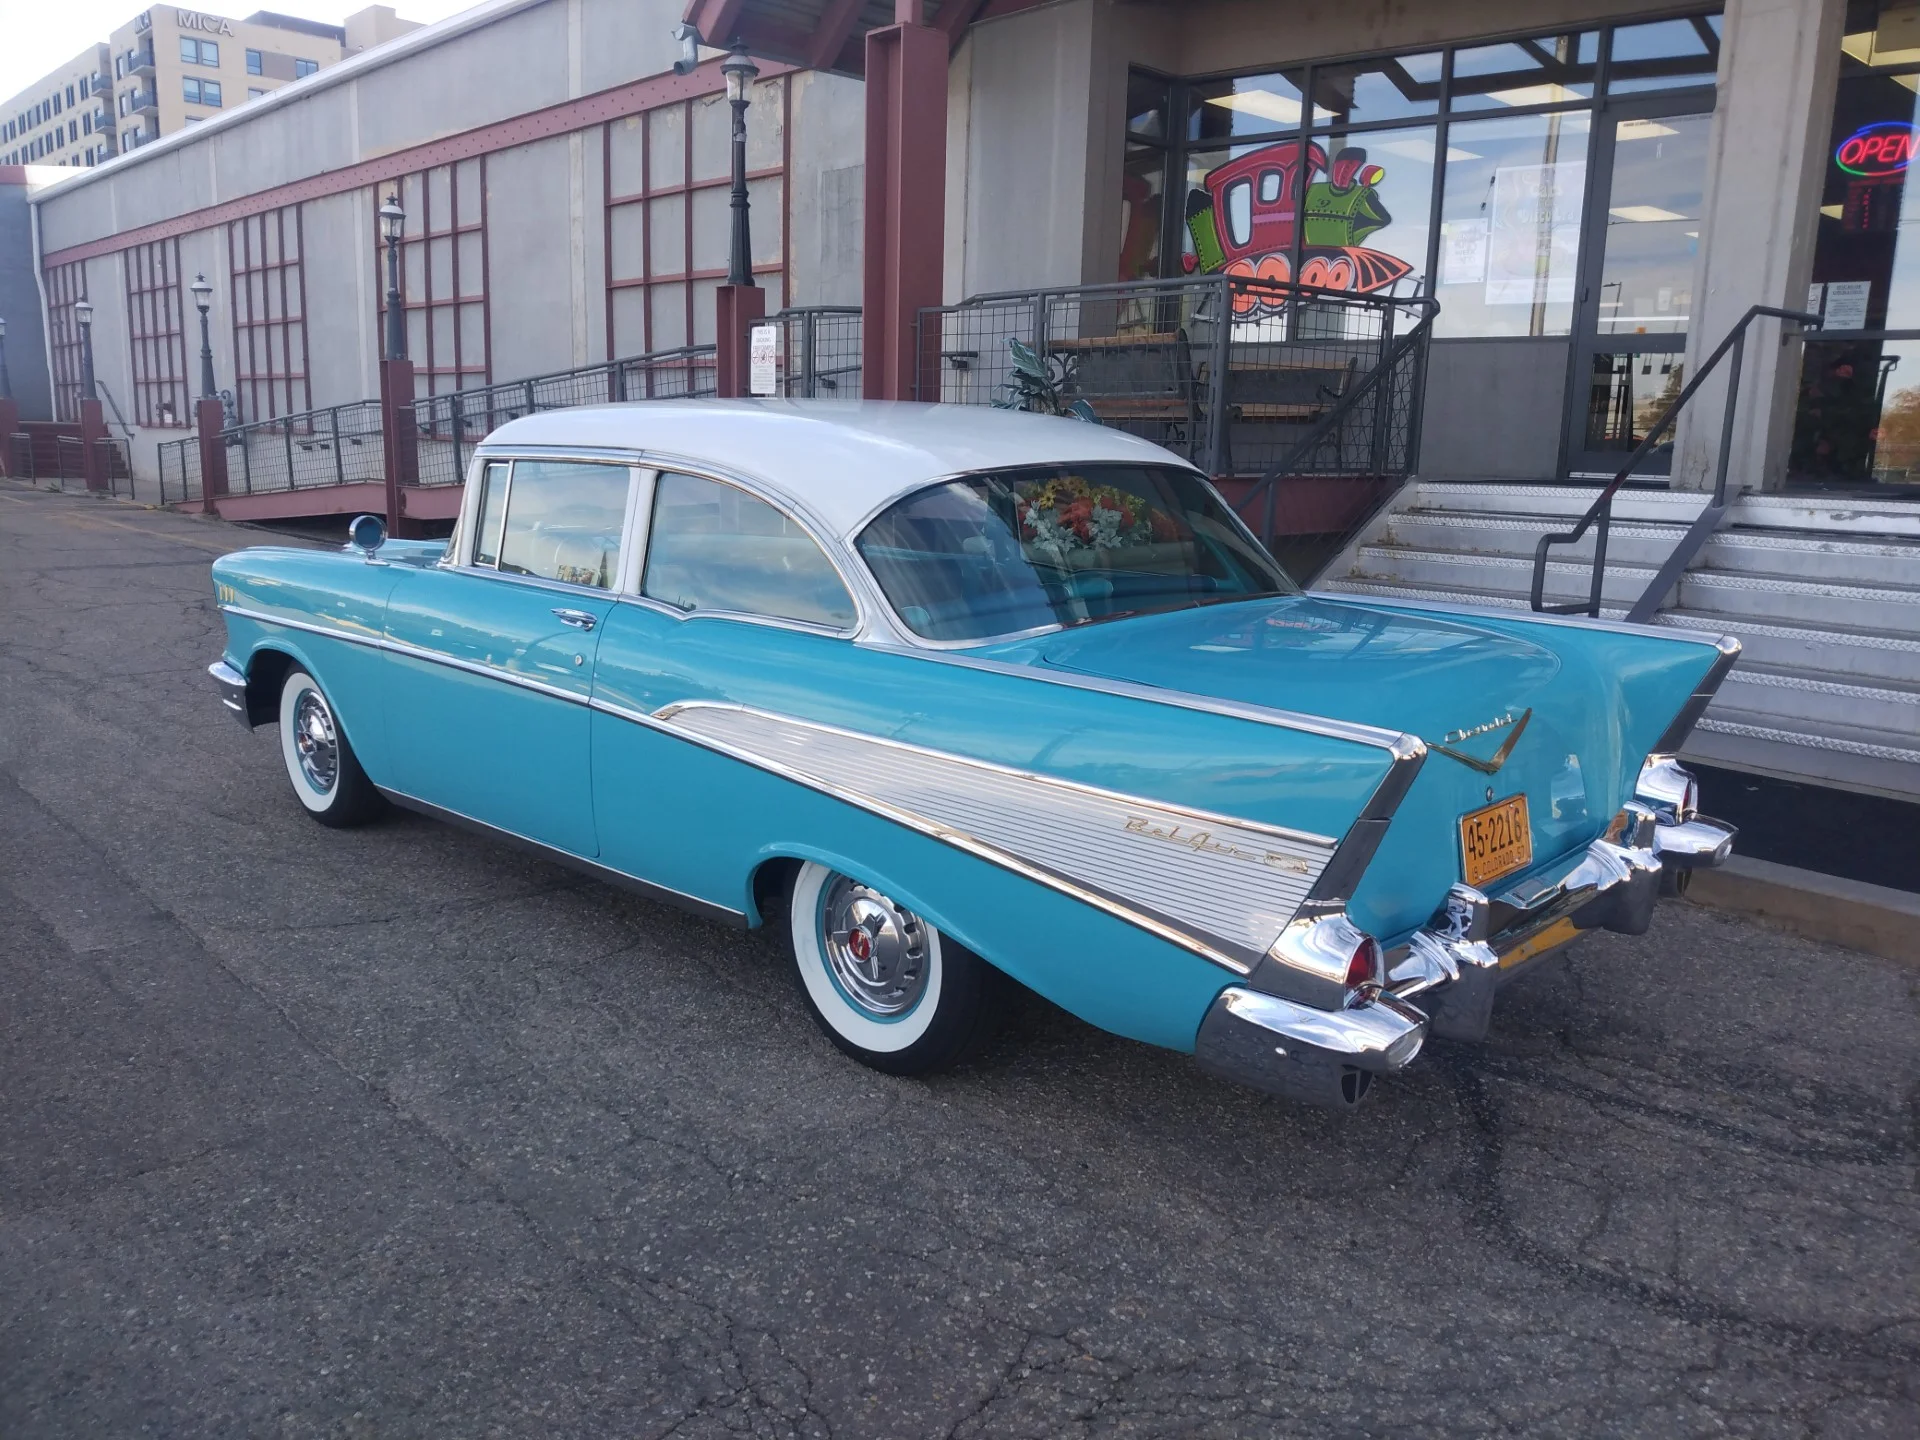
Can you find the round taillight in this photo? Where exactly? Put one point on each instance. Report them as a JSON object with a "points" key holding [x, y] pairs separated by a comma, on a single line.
{"points": [[1364, 966]]}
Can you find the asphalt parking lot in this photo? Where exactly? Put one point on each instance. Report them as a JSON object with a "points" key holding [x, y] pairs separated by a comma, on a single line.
{"points": [[398, 1132]]}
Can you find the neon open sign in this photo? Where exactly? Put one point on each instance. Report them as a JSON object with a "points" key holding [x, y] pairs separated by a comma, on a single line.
{"points": [[1882, 148]]}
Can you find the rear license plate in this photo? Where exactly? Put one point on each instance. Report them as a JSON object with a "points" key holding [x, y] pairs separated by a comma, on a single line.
{"points": [[1496, 840]]}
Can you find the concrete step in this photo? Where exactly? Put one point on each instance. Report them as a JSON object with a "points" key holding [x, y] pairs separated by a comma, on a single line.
{"points": [[1480, 532], [1889, 713], [1865, 656], [1845, 756], [1496, 574], [1813, 555], [1865, 517], [1560, 501], [1737, 596]]}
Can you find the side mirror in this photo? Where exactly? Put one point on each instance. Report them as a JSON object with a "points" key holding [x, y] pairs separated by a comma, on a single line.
{"points": [[367, 534]]}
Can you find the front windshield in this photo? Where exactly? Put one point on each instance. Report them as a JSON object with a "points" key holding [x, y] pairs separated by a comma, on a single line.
{"points": [[1060, 545]]}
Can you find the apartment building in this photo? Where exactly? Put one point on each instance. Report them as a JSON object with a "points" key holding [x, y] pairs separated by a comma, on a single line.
{"points": [[64, 118], [168, 68]]}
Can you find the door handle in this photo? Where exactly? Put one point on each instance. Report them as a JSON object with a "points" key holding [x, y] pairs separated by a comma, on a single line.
{"points": [[579, 619]]}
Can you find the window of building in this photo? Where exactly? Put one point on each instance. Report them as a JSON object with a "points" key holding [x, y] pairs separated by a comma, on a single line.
{"points": [[304, 68], [1858, 418], [668, 226], [443, 279], [268, 303], [65, 284], [70, 100], [715, 547], [86, 82], [190, 88], [209, 92], [254, 92], [86, 124], [199, 52], [1458, 173], [254, 64], [155, 334], [200, 92]]}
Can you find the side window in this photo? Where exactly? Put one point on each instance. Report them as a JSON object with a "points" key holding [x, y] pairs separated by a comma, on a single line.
{"points": [[563, 521], [492, 510], [715, 547]]}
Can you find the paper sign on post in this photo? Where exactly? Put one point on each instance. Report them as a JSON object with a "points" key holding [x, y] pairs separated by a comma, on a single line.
{"points": [[1847, 304], [763, 344]]}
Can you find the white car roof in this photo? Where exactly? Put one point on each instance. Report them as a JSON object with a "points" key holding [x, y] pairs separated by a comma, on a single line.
{"points": [[840, 459]]}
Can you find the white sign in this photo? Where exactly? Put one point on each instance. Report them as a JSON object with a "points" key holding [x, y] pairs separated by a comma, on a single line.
{"points": [[1815, 295], [1534, 235], [1847, 304], [763, 347], [1463, 252], [195, 20]]}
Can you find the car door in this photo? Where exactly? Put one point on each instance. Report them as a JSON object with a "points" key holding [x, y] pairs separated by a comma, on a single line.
{"points": [[733, 595], [493, 650]]}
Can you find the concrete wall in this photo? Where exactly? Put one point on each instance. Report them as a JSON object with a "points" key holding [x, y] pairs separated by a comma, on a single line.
{"points": [[20, 300], [827, 133], [1493, 408]]}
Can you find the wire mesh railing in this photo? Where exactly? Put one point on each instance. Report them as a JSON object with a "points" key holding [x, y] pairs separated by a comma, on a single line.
{"points": [[1305, 397], [112, 456], [178, 462], [817, 356], [447, 427]]}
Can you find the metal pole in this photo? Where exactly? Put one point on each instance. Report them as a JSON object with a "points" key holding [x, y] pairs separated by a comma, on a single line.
{"points": [[740, 262], [396, 316], [6, 382], [339, 460], [1726, 424], [208, 390], [1222, 357], [286, 431], [87, 391]]}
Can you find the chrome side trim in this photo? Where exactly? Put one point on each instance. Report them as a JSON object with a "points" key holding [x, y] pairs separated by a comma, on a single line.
{"points": [[1682, 724], [414, 652], [1342, 876], [1395, 741], [646, 888], [1224, 891]]}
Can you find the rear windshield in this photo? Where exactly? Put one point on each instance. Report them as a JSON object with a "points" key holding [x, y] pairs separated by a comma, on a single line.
{"points": [[1026, 549]]}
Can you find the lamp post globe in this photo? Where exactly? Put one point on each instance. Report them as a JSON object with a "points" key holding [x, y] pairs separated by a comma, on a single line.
{"points": [[393, 224], [202, 298], [740, 72], [83, 317]]}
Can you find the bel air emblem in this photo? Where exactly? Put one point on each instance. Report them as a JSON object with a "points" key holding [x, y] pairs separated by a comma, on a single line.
{"points": [[1493, 763], [1203, 842]]}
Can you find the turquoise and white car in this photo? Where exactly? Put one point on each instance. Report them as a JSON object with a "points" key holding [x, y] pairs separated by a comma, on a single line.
{"points": [[957, 695]]}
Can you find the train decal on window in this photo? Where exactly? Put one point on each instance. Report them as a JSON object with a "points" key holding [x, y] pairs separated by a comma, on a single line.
{"points": [[1243, 221]]}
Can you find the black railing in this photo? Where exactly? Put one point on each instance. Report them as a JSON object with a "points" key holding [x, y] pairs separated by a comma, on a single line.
{"points": [[818, 356], [1600, 513]]}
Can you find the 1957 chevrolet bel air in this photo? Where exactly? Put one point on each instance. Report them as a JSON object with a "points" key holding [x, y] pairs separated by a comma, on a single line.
{"points": [[955, 694]]}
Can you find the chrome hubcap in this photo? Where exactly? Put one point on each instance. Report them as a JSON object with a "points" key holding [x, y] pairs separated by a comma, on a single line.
{"points": [[315, 742], [877, 950]]}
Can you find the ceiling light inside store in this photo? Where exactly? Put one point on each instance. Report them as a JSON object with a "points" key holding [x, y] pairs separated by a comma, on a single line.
{"points": [[1895, 42], [1642, 130], [1268, 106], [1643, 214], [1549, 94], [1423, 150]]}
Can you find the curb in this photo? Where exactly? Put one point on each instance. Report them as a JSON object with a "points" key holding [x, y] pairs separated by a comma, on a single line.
{"points": [[1873, 918]]}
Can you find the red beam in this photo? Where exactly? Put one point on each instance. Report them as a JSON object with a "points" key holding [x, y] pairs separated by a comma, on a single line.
{"points": [[906, 182], [562, 119]]}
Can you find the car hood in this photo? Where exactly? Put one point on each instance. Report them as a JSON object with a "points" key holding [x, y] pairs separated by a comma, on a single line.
{"points": [[1593, 701]]}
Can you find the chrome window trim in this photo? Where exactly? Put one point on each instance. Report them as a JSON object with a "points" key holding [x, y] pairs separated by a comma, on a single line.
{"points": [[808, 526], [920, 642], [771, 622], [550, 455], [636, 530]]}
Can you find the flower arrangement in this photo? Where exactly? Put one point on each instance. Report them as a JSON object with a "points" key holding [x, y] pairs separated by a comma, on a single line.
{"points": [[1070, 514]]}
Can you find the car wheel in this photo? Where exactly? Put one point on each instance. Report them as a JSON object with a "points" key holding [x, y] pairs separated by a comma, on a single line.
{"points": [[321, 765], [887, 987]]}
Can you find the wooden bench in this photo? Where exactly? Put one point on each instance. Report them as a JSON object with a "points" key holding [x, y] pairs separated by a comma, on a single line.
{"points": [[1282, 392], [1145, 378]]}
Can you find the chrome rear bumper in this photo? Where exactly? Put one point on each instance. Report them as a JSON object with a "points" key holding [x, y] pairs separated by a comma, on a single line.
{"points": [[1444, 979]]}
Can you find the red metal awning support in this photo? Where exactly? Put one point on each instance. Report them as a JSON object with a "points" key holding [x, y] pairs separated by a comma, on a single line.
{"points": [[906, 203]]}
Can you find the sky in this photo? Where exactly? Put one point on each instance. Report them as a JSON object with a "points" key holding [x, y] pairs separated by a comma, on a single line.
{"points": [[40, 37]]}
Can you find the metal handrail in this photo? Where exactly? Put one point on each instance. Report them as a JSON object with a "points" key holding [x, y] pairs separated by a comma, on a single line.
{"points": [[1378, 376], [1709, 519]]}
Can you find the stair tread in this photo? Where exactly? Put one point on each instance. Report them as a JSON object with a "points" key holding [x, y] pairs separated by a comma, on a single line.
{"points": [[1818, 735], [1499, 520], [1904, 692], [1747, 537], [1825, 635], [1730, 579]]}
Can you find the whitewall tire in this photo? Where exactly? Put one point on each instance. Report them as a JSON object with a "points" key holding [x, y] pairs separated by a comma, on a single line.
{"points": [[883, 983], [321, 766]]}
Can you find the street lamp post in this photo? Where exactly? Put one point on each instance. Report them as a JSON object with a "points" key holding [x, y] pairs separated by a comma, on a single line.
{"points": [[393, 221], [202, 296], [6, 381], [83, 317], [740, 72]]}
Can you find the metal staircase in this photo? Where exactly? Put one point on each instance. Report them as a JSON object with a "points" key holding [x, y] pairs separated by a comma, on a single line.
{"points": [[1824, 595]]}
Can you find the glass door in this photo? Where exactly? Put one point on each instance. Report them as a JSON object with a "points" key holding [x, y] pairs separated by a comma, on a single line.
{"points": [[1636, 291]]}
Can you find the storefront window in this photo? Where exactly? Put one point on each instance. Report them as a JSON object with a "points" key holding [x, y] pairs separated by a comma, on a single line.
{"points": [[1549, 70], [1249, 105], [1653, 225], [1366, 90], [1510, 225], [1664, 55], [1858, 420], [1141, 194]]}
